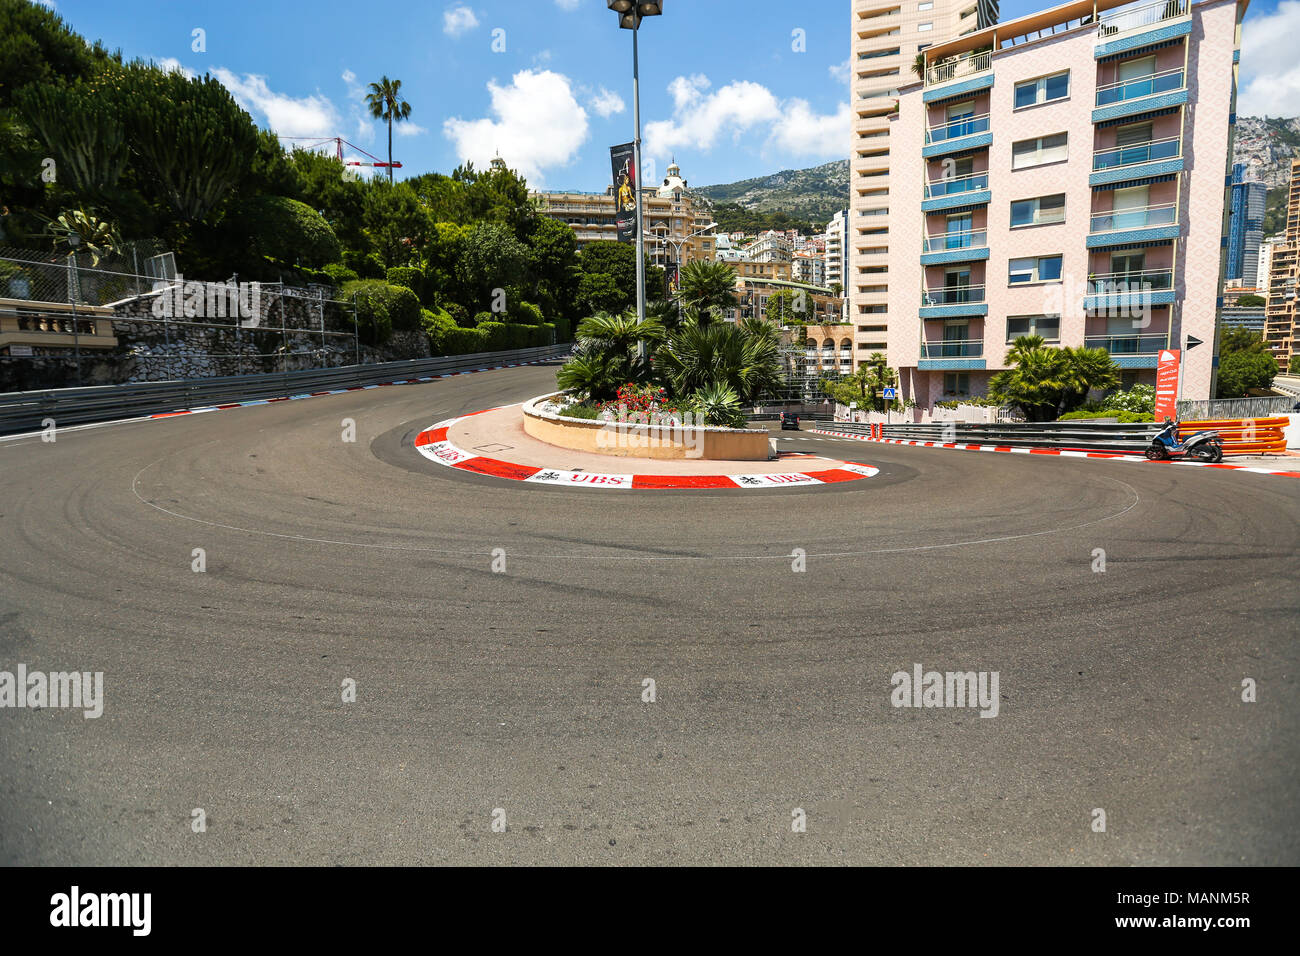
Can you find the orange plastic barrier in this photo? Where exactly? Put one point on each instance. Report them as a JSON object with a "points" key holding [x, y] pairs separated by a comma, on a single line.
{"points": [[1243, 436]]}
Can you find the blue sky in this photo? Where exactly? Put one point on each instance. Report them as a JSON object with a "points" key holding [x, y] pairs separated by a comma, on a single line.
{"points": [[730, 96]]}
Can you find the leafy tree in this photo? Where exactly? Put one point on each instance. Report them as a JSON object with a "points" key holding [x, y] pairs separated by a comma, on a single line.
{"points": [[383, 309], [386, 103], [491, 258], [37, 49], [1293, 365], [190, 135], [599, 292], [707, 287], [1244, 363], [397, 227], [321, 185], [788, 306], [553, 264], [1252, 300]]}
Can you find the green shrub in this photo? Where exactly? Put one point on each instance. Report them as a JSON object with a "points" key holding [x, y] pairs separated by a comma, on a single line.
{"points": [[1123, 417], [460, 341], [286, 230], [383, 309], [547, 334], [459, 314], [563, 330], [339, 273], [366, 266], [525, 313], [409, 278], [481, 317]]}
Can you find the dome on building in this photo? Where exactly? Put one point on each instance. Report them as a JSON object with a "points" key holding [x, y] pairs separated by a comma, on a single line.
{"points": [[673, 182]]}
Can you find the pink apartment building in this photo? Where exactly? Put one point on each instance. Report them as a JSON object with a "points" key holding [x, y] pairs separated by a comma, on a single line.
{"points": [[1075, 167]]}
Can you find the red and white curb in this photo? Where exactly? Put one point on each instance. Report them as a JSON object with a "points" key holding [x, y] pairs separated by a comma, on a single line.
{"points": [[1061, 452], [338, 391], [433, 444]]}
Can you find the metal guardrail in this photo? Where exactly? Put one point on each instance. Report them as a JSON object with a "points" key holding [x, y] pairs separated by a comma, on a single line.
{"points": [[1094, 436], [27, 411], [1235, 407]]}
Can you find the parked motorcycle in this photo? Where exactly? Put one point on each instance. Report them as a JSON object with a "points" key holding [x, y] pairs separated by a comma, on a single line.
{"points": [[1202, 446]]}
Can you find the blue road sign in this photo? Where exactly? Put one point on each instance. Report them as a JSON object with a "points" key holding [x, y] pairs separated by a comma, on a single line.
{"points": [[891, 393]]}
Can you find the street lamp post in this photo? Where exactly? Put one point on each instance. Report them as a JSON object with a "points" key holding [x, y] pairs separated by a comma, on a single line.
{"points": [[630, 13]]}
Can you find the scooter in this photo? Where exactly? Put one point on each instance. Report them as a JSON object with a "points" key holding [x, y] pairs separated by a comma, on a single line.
{"points": [[1203, 446]]}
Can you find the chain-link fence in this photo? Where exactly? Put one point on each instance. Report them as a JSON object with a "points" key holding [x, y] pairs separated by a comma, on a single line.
{"points": [[74, 319]]}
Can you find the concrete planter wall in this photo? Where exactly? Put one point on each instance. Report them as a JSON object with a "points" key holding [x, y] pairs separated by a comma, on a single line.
{"points": [[659, 442]]}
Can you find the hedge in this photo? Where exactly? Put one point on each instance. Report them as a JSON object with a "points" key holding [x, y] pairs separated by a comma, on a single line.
{"points": [[409, 278], [383, 309]]}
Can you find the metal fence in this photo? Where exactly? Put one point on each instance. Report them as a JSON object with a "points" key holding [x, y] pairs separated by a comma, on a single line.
{"points": [[1236, 408], [28, 411], [149, 324]]}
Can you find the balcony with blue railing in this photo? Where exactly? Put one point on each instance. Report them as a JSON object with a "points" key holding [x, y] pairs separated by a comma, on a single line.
{"points": [[952, 354], [1127, 227], [968, 246], [1159, 157], [955, 191], [1129, 290], [1139, 350], [960, 74], [953, 302], [1135, 27], [957, 135], [1141, 94]]}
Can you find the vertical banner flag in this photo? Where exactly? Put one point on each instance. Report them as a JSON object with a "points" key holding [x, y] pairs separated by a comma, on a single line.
{"points": [[622, 160], [1167, 385]]}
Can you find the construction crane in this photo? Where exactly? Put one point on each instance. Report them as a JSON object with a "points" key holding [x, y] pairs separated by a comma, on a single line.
{"points": [[339, 142]]}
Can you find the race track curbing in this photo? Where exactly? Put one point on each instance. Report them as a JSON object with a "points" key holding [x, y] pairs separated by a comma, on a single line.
{"points": [[434, 445]]}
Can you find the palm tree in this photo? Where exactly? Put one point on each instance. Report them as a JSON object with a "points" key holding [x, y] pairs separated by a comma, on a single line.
{"points": [[1047, 382], [1086, 369], [696, 356], [707, 287], [386, 103], [918, 66]]}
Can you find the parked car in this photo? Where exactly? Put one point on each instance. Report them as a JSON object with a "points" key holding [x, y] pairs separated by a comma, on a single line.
{"points": [[789, 420]]}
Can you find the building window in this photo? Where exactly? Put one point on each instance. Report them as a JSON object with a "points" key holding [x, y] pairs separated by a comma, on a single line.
{"points": [[1043, 90], [1040, 269], [924, 27], [1033, 212], [1048, 326], [1036, 152], [956, 383], [929, 5]]}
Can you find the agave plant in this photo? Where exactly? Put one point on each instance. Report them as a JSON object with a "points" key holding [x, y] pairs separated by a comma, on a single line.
{"points": [[718, 403], [97, 236]]}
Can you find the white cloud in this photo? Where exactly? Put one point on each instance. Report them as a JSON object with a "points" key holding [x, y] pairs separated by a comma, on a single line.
{"points": [[1270, 69], [840, 72], [607, 103], [283, 114], [567, 4], [749, 113], [536, 125], [458, 20], [172, 65]]}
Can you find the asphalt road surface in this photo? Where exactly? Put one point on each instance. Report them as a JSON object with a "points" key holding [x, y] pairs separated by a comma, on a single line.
{"points": [[518, 696]]}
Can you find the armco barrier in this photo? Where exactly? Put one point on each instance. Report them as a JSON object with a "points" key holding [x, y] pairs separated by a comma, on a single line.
{"points": [[1093, 436], [26, 411], [1240, 436]]}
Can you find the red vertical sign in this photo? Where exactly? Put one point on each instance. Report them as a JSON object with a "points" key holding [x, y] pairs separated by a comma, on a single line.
{"points": [[1167, 384]]}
